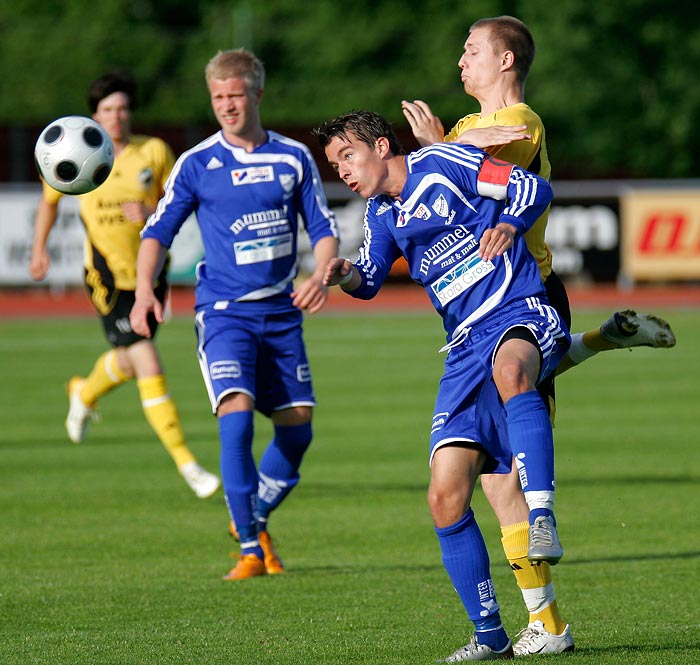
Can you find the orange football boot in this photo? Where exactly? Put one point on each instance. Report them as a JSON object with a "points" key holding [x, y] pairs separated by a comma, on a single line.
{"points": [[273, 564], [249, 565]]}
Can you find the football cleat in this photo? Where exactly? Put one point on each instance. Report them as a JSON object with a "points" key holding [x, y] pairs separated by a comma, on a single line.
{"points": [[233, 531], [249, 565], [630, 329], [273, 564], [543, 541], [536, 640], [476, 651], [201, 482], [79, 413]]}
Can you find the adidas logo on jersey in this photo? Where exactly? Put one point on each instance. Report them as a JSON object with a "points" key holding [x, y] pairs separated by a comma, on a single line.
{"points": [[214, 163]]}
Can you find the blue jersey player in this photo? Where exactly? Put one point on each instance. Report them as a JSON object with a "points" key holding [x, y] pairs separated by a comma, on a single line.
{"points": [[458, 217], [248, 188]]}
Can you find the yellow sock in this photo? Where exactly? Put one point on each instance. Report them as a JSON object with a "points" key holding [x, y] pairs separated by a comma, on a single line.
{"points": [[105, 376], [534, 580], [162, 415]]}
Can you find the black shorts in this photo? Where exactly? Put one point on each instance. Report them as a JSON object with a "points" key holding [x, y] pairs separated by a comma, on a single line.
{"points": [[556, 294], [113, 305]]}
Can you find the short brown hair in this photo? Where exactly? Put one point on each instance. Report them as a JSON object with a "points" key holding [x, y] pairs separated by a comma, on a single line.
{"points": [[512, 35], [118, 80], [367, 126]]}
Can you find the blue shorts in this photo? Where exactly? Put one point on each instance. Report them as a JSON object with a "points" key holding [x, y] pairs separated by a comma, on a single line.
{"points": [[468, 409], [245, 349]]}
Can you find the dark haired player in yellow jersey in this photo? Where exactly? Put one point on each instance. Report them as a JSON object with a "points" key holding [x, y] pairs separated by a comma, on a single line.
{"points": [[498, 54], [113, 216]]}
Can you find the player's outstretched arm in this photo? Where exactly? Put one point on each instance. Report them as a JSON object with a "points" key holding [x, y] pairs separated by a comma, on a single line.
{"points": [[312, 293], [43, 223], [426, 127], [491, 137], [149, 263]]}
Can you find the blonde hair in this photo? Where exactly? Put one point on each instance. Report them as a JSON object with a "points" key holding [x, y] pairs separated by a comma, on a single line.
{"points": [[236, 64]]}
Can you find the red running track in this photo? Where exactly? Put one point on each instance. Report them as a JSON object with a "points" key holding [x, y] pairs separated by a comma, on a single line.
{"points": [[40, 302]]}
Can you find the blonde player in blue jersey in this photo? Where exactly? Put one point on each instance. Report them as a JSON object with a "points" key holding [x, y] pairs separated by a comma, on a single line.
{"points": [[458, 217], [113, 216], [248, 186]]}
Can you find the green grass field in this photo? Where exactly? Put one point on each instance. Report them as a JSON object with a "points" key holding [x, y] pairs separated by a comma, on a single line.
{"points": [[107, 557]]}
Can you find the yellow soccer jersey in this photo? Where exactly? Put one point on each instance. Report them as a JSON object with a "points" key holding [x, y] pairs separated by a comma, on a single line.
{"points": [[139, 174], [531, 155]]}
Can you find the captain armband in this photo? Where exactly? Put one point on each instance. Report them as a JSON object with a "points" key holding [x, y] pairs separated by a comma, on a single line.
{"points": [[493, 178]]}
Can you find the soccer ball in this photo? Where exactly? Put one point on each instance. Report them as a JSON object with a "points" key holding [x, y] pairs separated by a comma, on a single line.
{"points": [[74, 154]]}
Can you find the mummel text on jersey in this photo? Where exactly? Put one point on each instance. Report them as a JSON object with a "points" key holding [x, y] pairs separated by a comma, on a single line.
{"points": [[249, 237], [451, 196]]}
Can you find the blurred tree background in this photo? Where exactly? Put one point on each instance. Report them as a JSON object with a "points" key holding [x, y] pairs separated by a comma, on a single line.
{"points": [[615, 83]]}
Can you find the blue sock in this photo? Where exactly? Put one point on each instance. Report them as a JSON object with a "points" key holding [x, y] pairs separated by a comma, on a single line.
{"points": [[240, 477], [466, 560], [279, 467], [530, 435]]}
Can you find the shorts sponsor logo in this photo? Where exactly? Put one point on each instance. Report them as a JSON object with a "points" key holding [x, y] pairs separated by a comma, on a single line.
{"points": [[123, 325], [464, 275], [439, 420], [303, 373], [225, 369], [252, 174]]}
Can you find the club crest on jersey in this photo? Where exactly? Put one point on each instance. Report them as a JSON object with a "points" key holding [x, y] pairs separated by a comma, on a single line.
{"points": [[441, 207], [146, 178], [252, 174], [288, 181]]}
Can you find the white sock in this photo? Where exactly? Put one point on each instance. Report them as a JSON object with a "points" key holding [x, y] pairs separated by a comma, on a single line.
{"points": [[578, 351]]}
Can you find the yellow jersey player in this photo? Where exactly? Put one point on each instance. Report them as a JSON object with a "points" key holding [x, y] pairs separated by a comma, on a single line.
{"points": [[497, 57], [113, 216]]}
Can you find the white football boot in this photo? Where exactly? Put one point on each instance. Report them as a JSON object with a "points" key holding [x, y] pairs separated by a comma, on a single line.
{"points": [[543, 541], [79, 413], [536, 640], [630, 329], [201, 482], [476, 651]]}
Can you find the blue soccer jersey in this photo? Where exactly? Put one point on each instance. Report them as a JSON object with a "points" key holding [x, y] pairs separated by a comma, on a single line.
{"points": [[248, 206], [453, 193]]}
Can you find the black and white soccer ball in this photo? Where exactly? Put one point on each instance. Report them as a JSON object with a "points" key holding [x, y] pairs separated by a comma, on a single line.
{"points": [[74, 154]]}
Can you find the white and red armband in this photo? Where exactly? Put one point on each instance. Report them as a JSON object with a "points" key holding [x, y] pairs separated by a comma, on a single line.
{"points": [[493, 178]]}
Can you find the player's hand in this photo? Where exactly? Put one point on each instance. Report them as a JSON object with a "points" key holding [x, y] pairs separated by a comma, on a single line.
{"points": [[39, 264], [337, 271], [311, 295], [426, 127], [143, 306], [496, 241], [488, 137]]}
